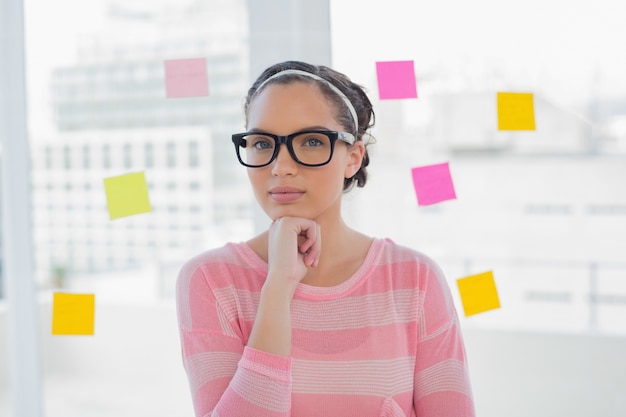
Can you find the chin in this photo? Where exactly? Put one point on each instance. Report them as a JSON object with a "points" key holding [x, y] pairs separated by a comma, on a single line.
{"points": [[285, 211]]}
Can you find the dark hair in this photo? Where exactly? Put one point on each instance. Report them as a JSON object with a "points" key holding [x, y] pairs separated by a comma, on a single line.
{"points": [[354, 92]]}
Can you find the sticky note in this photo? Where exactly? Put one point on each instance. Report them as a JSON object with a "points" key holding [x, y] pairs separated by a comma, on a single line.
{"points": [[433, 184], [73, 314], [186, 78], [127, 195], [396, 80], [478, 293], [516, 111]]}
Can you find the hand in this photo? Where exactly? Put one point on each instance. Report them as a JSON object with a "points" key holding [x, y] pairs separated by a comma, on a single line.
{"points": [[294, 245]]}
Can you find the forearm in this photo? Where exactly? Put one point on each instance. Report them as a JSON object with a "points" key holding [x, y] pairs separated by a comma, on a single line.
{"points": [[252, 383], [271, 331]]}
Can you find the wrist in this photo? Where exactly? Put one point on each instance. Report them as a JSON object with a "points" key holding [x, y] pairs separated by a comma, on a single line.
{"points": [[278, 289]]}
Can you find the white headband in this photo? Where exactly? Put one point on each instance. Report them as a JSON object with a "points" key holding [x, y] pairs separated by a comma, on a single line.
{"points": [[317, 78]]}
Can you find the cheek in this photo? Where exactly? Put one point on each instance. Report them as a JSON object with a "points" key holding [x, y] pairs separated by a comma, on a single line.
{"points": [[334, 177], [255, 178]]}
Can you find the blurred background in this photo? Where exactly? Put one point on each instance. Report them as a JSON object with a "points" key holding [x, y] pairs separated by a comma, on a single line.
{"points": [[545, 210]]}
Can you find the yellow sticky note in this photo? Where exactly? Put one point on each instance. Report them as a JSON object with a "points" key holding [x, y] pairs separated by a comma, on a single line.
{"points": [[516, 111], [478, 293], [127, 195], [73, 314]]}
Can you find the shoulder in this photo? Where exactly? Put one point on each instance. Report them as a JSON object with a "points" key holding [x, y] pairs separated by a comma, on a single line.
{"points": [[221, 267], [208, 283], [209, 258], [428, 277], [408, 267], [213, 262], [221, 255], [393, 253]]}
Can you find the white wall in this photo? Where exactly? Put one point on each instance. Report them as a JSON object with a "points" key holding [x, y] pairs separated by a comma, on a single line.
{"points": [[546, 375]]}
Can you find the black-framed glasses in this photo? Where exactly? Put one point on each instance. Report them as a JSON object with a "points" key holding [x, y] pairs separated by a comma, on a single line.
{"points": [[312, 148]]}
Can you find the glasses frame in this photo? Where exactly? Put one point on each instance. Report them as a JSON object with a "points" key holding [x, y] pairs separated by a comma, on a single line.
{"points": [[334, 136]]}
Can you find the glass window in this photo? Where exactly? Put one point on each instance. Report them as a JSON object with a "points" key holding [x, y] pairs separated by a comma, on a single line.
{"points": [[67, 157], [522, 196], [193, 154], [106, 156], [542, 209], [98, 91], [128, 156], [170, 153], [49, 158], [86, 157], [149, 155]]}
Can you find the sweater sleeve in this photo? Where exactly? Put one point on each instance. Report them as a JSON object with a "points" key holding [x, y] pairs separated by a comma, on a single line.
{"points": [[226, 378], [442, 386]]}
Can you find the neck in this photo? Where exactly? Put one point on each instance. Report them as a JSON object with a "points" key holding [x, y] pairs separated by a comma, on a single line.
{"points": [[335, 236], [343, 251]]}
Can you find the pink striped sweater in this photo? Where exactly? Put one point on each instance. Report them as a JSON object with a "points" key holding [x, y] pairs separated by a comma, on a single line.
{"points": [[384, 343]]}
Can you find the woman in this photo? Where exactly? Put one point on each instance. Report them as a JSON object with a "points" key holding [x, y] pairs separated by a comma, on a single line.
{"points": [[311, 317]]}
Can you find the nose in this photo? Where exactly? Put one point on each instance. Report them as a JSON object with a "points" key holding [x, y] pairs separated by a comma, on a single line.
{"points": [[284, 163]]}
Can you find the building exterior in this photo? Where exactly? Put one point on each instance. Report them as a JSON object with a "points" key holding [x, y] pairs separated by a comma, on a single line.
{"points": [[112, 117], [72, 227]]}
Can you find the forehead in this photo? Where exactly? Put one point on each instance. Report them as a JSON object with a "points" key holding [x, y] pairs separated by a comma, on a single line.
{"points": [[288, 107]]}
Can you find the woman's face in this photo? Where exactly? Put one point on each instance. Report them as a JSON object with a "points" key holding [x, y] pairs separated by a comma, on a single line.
{"points": [[284, 187]]}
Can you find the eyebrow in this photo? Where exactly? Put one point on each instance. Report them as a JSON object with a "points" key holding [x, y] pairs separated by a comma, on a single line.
{"points": [[317, 127]]}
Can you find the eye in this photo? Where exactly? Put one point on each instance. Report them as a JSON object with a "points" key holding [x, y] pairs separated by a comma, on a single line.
{"points": [[260, 143], [312, 142]]}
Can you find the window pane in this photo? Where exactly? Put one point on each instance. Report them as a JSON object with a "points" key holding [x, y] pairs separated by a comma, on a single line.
{"points": [[541, 209], [128, 156], [106, 157], [98, 109], [171, 155], [193, 154], [149, 155], [522, 196], [86, 157]]}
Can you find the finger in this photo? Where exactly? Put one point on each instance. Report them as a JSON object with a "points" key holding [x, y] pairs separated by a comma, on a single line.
{"points": [[313, 254], [310, 233]]}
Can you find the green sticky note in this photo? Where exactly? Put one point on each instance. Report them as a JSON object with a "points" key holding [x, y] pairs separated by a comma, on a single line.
{"points": [[478, 293], [127, 195], [73, 314], [516, 111]]}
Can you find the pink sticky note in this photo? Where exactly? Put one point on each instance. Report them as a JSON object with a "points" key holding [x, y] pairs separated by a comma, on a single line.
{"points": [[186, 78], [433, 184], [396, 79]]}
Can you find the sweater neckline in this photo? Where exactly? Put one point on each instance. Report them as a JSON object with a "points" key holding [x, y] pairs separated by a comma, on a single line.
{"points": [[312, 291]]}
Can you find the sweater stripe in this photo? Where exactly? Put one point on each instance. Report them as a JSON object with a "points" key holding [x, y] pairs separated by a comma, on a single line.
{"points": [[367, 377], [208, 366], [398, 306], [448, 375]]}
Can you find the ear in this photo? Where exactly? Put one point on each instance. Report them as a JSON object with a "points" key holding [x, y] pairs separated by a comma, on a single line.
{"points": [[354, 159]]}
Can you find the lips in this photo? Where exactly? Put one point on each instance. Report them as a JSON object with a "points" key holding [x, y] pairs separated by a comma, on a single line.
{"points": [[285, 194]]}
